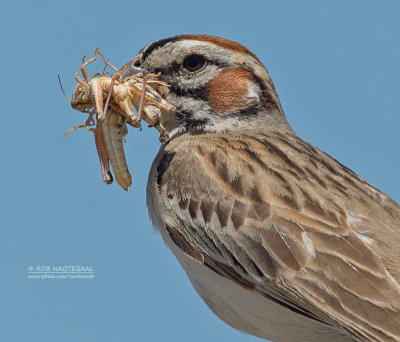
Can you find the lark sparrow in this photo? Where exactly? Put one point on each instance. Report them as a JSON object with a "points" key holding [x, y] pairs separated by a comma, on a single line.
{"points": [[278, 238]]}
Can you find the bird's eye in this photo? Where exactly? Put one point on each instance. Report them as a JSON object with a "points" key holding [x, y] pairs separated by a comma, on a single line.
{"points": [[194, 62]]}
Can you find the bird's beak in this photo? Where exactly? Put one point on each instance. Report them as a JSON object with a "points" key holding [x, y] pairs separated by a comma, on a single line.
{"points": [[129, 69]]}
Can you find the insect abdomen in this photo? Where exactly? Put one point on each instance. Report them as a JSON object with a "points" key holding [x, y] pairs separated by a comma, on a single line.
{"points": [[114, 129]]}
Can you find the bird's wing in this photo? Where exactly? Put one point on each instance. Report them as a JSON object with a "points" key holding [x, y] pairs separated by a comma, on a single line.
{"points": [[258, 217]]}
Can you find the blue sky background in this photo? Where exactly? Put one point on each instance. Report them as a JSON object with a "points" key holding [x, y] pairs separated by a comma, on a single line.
{"points": [[336, 67]]}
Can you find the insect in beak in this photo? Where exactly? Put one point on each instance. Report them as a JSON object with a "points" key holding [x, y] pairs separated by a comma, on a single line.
{"points": [[109, 103]]}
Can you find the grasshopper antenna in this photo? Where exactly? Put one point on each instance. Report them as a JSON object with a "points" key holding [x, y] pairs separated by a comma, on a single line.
{"points": [[105, 67], [62, 89]]}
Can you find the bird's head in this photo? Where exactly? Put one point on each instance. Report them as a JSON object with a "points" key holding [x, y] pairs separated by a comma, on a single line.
{"points": [[215, 84]]}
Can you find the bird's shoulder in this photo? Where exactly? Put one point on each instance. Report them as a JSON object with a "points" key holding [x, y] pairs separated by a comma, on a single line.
{"points": [[283, 167]]}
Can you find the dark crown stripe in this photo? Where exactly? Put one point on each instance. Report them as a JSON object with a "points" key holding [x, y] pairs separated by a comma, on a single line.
{"points": [[157, 44]]}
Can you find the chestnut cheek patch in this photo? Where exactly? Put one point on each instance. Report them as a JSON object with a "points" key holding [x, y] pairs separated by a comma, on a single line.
{"points": [[227, 92]]}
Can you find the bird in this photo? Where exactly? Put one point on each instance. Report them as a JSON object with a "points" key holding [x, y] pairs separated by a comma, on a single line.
{"points": [[278, 238]]}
